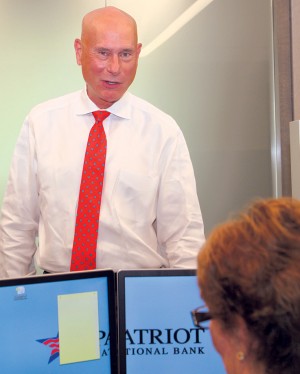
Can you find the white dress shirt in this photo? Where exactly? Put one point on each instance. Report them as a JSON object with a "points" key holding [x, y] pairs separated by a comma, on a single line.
{"points": [[150, 215]]}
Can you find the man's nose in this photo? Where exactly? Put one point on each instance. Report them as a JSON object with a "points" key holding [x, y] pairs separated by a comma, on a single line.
{"points": [[114, 64]]}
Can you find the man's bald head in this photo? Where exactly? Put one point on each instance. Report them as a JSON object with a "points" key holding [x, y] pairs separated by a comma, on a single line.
{"points": [[105, 15]]}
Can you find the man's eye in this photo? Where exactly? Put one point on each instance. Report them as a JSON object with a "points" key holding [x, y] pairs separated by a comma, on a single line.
{"points": [[126, 55], [103, 53]]}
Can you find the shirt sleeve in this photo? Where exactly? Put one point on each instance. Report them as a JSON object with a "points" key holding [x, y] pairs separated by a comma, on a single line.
{"points": [[19, 215], [180, 228]]}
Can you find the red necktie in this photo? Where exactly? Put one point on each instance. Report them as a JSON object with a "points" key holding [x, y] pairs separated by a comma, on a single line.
{"points": [[89, 202]]}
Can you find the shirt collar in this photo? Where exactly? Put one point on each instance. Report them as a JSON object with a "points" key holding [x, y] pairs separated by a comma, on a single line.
{"points": [[121, 108]]}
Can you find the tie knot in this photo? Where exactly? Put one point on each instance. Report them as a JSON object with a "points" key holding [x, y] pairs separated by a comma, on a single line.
{"points": [[100, 115]]}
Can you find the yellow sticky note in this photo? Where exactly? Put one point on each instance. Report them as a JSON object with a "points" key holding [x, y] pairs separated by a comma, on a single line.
{"points": [[78, 327]]}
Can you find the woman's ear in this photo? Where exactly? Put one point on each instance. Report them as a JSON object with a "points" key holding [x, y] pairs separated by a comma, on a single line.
{"points": [[244, 340]]}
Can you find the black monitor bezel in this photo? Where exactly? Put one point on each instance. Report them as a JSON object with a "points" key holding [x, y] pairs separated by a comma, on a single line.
{"points": [[111, 291], [122, 275]]}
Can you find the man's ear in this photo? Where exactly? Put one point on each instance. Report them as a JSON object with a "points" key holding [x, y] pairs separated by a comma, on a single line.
{"points": [[139, 48], [78, 50]]}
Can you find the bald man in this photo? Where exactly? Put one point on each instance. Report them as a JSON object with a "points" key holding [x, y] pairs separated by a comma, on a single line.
{"points": [[150, 215]]}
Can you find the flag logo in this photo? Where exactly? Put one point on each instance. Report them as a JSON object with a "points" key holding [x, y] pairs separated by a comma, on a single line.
{"points": [[53, 344]]}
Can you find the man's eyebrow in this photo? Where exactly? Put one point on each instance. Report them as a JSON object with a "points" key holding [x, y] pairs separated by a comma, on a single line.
{"points": [[102, 49], [111, 50], [127, 50]]}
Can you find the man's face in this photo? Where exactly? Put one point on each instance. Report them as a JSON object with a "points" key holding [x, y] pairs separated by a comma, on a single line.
{"points": [[108, 53]]}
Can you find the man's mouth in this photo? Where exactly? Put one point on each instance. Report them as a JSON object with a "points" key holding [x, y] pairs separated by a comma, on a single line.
{"points": [[111, 83]]}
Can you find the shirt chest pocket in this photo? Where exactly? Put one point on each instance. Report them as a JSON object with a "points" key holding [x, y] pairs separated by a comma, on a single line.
{"points": [[135, 197]]}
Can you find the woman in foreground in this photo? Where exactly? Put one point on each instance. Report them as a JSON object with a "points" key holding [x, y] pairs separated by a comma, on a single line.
{"points": [[249, 277]]}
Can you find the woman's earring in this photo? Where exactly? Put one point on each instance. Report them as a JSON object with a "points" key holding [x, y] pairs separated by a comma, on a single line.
{"points": [[240, 356]]}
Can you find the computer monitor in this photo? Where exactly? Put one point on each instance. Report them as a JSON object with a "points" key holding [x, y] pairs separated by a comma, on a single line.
{"points": [[156, 331], [59, 323]]}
